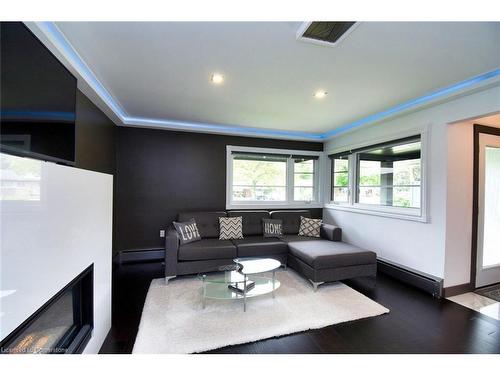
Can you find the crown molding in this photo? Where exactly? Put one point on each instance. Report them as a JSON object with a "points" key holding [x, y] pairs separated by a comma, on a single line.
{"points": [[220, 129], [434, 97]]}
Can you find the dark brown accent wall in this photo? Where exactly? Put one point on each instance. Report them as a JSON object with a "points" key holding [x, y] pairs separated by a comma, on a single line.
{"points": [[95, 137], [160, 173]]}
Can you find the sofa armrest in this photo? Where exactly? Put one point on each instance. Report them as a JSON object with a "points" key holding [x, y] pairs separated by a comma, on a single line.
{"points": [[331, 232], [171, 250]]}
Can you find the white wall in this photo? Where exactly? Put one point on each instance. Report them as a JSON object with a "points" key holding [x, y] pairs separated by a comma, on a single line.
{"points": [[421, 246], [460, 144], [460, 141], [49, 239]]}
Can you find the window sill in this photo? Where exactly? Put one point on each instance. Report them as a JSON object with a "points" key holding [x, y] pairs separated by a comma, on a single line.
{"points": [[270, 205], [389, 213]]}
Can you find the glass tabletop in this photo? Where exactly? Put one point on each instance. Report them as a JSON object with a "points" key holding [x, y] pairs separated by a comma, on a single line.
{"points": [[225, 277], [252, 266]]}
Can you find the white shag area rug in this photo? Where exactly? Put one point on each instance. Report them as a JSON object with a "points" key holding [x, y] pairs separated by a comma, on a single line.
{"points": [[173, 320]]}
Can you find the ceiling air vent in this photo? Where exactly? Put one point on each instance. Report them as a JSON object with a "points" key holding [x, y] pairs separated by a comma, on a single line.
{"points": [[325, 33]]}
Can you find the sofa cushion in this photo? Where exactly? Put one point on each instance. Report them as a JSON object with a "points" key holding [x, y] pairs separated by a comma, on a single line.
{"points": [[208, 248], [252, 221], [295, 237], [258, 246], [207, 222], [291, 219], [323, 254]]}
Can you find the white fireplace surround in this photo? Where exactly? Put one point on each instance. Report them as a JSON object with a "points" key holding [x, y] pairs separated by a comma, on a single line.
{"points": [[49, 239]]}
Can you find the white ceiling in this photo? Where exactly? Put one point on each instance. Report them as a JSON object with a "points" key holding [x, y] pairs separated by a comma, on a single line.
{"points": [[161, 70]]}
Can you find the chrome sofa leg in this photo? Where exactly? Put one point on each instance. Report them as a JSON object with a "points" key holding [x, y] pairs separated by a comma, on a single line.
{"points": [[167, 278], [316, 284]]}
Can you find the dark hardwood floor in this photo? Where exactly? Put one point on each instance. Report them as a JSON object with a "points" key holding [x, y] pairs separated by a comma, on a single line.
{"points": [[417, 322]]}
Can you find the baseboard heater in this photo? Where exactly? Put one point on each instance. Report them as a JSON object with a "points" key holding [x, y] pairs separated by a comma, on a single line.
{"points": [[420, 280], [139, 255]]}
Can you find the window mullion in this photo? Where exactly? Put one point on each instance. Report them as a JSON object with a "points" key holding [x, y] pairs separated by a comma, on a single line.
{"points": [[290, 180], [352, 178], [229, 178], [316, 180]]}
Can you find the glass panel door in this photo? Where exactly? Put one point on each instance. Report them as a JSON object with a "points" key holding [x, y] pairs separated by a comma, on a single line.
{"points": [[488, 244], [491, 237]]}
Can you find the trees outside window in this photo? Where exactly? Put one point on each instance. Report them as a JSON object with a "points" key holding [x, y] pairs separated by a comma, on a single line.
{"points": [[283, 178]]}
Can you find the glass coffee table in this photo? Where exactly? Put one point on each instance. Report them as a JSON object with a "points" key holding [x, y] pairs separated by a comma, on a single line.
{"points": [[243, 274]]}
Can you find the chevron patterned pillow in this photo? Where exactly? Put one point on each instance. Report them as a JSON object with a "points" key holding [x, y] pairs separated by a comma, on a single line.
{"points": [[310, 227], [231, 228]]}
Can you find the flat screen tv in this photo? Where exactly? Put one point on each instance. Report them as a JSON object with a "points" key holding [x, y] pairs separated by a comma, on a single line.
{"points": [[37, 98]]}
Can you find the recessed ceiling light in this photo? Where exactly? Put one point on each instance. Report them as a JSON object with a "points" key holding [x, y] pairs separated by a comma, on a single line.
{"points": [[320, 94], [217, 78]]}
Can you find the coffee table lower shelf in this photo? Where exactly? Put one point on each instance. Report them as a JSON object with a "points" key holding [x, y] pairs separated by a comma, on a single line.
{"points": [[219, 290]]}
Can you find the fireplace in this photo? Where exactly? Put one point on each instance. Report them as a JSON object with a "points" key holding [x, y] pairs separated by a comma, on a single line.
{"points": [[63, 325]]}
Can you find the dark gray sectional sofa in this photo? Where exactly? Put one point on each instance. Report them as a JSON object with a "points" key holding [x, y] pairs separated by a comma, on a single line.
{"points": [[318, 259]]}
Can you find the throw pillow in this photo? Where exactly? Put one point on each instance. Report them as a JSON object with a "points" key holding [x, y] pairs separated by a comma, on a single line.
{"points": [[272, 228], [188, 231], [310, 227], [231, 228]]}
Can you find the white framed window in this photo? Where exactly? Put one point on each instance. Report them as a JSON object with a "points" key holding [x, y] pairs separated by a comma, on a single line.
{"points": [[385, 179], [340, 179], [272, 178]]}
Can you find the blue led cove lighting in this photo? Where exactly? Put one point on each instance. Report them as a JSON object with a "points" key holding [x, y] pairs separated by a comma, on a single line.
{"points": [[219, 128], [414, 103], [38, 115], [55, 35]]}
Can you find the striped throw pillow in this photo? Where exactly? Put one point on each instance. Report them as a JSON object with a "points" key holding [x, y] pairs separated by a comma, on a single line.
{"points": [[231, 228]]}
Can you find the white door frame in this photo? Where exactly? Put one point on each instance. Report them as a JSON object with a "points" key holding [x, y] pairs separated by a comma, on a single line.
{"points": [[483, 136]]}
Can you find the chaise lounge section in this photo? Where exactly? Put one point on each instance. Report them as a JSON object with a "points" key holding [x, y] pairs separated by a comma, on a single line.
{"points": [[320, 260]]}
